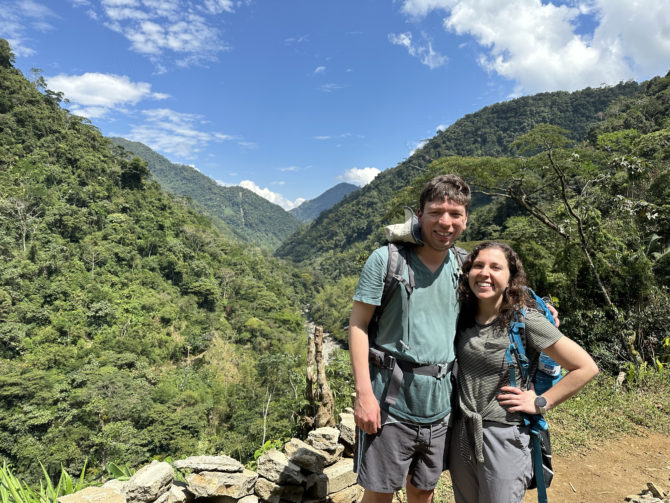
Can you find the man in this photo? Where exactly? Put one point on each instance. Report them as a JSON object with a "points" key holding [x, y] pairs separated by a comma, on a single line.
{"points": [[403, 442]]}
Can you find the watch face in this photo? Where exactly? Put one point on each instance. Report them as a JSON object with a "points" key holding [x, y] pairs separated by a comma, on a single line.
{"points": [[540, 401]]}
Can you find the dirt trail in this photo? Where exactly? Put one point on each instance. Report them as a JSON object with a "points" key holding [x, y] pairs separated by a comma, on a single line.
{"points": [[610, 472]]}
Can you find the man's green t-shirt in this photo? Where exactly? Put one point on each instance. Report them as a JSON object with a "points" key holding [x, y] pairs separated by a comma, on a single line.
{"points": [[421, 331]]}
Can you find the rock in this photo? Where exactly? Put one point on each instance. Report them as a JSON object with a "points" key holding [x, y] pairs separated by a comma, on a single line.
{"points": [[334, 478], [317, 486], [292, 493], [267, 490], [210, 464], [164, 498], [149, 482], [94, 495], [340, 475], [324, 438], [179, 493], [116, 484], [235, 485], [347, 428], [276, 467], [249, 499], [351, 494], [312, 459], [655, 490], [270, 492]]}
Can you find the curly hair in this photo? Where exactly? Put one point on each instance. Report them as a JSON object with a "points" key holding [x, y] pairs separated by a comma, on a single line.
{"points": [[515, 295]]}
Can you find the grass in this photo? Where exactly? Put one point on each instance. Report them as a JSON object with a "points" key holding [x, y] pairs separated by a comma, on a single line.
{"points": [[12, 490], [604, 410]]}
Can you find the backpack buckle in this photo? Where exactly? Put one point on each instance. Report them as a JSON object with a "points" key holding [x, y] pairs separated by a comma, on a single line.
{"points": [[443, 370], [381, 359]]}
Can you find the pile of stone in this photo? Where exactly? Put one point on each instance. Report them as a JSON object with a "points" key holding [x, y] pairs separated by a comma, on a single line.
{"points": [[653, 494], [317, 470]]}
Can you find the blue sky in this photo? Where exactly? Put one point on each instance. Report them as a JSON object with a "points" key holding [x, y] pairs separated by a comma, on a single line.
{"points": [[290, 97]]}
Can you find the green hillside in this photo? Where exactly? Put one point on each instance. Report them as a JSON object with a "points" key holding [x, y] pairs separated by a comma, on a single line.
{"points": [[130, 328], [246, 215], [358, 220], [311, 209]]}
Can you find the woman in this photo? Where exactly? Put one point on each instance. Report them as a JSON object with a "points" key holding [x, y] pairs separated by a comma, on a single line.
{"points": [[490, 457]]}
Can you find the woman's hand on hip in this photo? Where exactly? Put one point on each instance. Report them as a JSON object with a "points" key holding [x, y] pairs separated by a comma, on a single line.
{"points": [[517, 400]]}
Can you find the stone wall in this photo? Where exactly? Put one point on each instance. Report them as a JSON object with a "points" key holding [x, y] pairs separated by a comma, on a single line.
{"points": [[318, 469]]}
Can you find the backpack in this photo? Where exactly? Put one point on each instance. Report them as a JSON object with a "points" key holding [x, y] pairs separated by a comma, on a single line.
{"points": [[397, 261], [542, 375]]}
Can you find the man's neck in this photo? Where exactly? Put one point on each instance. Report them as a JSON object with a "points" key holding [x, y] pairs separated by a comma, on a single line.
{"points": [[430, 257]]}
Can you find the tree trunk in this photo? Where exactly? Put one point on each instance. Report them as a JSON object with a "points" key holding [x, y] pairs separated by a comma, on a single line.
{"points": [[322, 402]]}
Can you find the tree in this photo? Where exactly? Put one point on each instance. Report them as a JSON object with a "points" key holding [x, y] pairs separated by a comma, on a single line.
{"points": [[6, 54], [23, 214]]}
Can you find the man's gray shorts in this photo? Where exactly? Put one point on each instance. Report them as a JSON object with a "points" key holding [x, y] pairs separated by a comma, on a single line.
{"points": [[384, 460]]}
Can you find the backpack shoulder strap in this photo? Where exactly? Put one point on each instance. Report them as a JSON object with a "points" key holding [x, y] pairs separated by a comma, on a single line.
{"points": [[516, 351], [461, 254], [395, 269]]}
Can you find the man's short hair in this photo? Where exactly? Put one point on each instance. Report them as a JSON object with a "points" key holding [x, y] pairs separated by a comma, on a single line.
{"points": [[446, 186]]}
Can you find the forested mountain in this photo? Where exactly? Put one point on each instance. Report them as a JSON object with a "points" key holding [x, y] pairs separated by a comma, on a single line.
{"points": [[129, 327], [589, 215], [311, 209], [247, 216], [491, 131]]}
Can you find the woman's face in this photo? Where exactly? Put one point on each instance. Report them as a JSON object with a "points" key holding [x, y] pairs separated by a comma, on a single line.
{"points": [[489, 275]]}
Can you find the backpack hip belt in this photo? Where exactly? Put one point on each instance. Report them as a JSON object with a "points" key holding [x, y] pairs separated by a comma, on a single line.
{"points": [[383, 360]]}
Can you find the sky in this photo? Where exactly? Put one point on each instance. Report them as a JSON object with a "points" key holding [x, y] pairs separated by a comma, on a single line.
{"points": [[291, 97]]}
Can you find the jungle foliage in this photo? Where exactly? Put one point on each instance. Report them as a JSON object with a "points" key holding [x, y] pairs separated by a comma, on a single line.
{"points": [[129, 327], [242, 214]]}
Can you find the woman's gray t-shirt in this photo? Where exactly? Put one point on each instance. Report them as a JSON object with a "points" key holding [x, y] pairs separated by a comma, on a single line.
{"points": [[483, 368]]}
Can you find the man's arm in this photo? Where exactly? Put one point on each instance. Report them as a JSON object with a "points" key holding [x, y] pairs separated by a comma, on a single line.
{"points": [[554, 313], [367, 414]]}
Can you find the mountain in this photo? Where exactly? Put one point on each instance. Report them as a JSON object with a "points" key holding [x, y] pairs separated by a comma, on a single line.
{"points": [[354, 225], [247, 216], [311, 209], [129, 327]]}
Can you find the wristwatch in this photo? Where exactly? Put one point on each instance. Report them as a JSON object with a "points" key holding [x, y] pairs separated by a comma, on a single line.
{"points": [[541, 404]]}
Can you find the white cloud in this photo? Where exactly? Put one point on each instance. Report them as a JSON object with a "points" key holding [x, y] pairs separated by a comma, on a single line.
{"points": [[359, 176], [418, 146], [183, 31], [441, 127], [95, 94], [273, 197], [296, 40], [425, 52], [538, 45], [219, 6], [332, 137], [319, 69], [330, 87], [175, 133]]}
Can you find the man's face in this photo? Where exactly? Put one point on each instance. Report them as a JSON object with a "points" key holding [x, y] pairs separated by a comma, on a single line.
{"points": [[441, 223]]}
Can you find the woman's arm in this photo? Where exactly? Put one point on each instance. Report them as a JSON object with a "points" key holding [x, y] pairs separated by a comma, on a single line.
{"points": [[569, 355]]}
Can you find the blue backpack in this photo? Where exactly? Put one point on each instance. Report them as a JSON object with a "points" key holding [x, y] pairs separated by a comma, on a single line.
{"points": [[542, 374]]}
